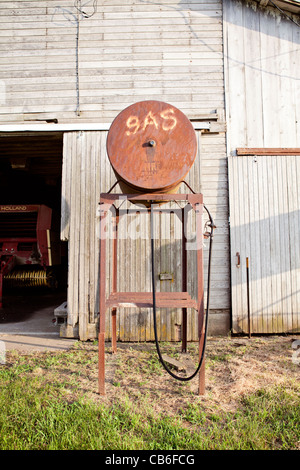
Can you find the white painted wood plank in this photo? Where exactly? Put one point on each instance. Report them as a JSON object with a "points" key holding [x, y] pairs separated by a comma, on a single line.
{"points": [[111, 42], [66, 190], [252, 86], [125, 54], [122, 81], [233, 197], [285, 247], [254, 254], [128, 25], [284, 95], [247, 238], [235, 63], [293, 209], [84, 225], [108, 94], [92, 229], [270, 82], [73, 244], [273, 262], [281, 210], [296, 313], [275, 247], [264, 211], [242, 189]]}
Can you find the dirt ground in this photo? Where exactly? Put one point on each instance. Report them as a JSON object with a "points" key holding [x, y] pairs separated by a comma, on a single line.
{"points": [[234, 367]]}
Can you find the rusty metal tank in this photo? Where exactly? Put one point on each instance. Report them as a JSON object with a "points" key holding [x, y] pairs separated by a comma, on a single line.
{"points": [[151, 146]]}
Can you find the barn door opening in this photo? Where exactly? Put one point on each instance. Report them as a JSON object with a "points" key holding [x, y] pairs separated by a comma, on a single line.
{"points": [[264, 193], [33, 259]]}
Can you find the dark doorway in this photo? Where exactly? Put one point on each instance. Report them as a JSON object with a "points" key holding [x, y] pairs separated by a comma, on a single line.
{"points": [[30, 176]]}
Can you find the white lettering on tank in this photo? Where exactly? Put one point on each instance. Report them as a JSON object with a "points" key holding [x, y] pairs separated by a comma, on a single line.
{"points": [[169, 122]]}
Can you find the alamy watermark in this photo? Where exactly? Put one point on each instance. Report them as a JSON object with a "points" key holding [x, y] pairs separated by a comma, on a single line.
{"points": [[136, 223]]}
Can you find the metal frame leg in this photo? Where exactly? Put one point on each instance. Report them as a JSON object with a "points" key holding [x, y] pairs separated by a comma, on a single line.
{"points": [[200, 288], [101, 364], [114, 281], [184, 280], [101, 338]]}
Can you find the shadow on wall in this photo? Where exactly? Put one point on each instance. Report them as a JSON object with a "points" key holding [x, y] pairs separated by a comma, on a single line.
{"points": [[273, 243]]}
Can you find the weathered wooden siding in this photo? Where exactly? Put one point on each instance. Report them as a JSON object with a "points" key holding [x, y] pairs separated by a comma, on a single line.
{"points": [[86, 173], [129, 50], [265, 227], [262, 76], [57, 64]]}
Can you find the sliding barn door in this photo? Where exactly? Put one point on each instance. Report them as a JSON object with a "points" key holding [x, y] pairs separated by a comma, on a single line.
{"points": [[265, 228]]}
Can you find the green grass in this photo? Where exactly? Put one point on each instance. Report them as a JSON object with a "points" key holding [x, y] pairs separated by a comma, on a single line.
{"points": [[43, 406]]}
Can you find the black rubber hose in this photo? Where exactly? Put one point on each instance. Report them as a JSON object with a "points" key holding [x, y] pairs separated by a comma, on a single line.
{"points": [[177, 377]]}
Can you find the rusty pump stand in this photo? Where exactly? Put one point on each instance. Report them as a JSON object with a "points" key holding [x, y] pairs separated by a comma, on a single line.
{"points": [[152, 146], [154, 300]]}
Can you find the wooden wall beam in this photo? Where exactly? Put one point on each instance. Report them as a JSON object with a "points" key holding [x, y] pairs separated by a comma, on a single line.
{"points": [[267, 151]]}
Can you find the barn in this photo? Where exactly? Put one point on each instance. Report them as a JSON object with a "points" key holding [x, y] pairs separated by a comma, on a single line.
{"points": [[231, 66]]}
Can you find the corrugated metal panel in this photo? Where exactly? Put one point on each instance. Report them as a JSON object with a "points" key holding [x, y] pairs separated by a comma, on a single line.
{"points": [[264, 226], [86, 173]]}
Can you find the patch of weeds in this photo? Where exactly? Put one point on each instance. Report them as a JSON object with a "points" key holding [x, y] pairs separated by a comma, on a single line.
{"points": [[215, 358], [152, 364], [46, 404], [193, 414]]}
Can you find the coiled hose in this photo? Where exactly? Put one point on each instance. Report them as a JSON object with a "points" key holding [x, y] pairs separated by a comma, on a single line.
{"points": [[177, 377]]}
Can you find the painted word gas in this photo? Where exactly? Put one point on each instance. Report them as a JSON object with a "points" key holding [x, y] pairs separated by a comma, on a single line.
{"points": [[169, 122]]}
